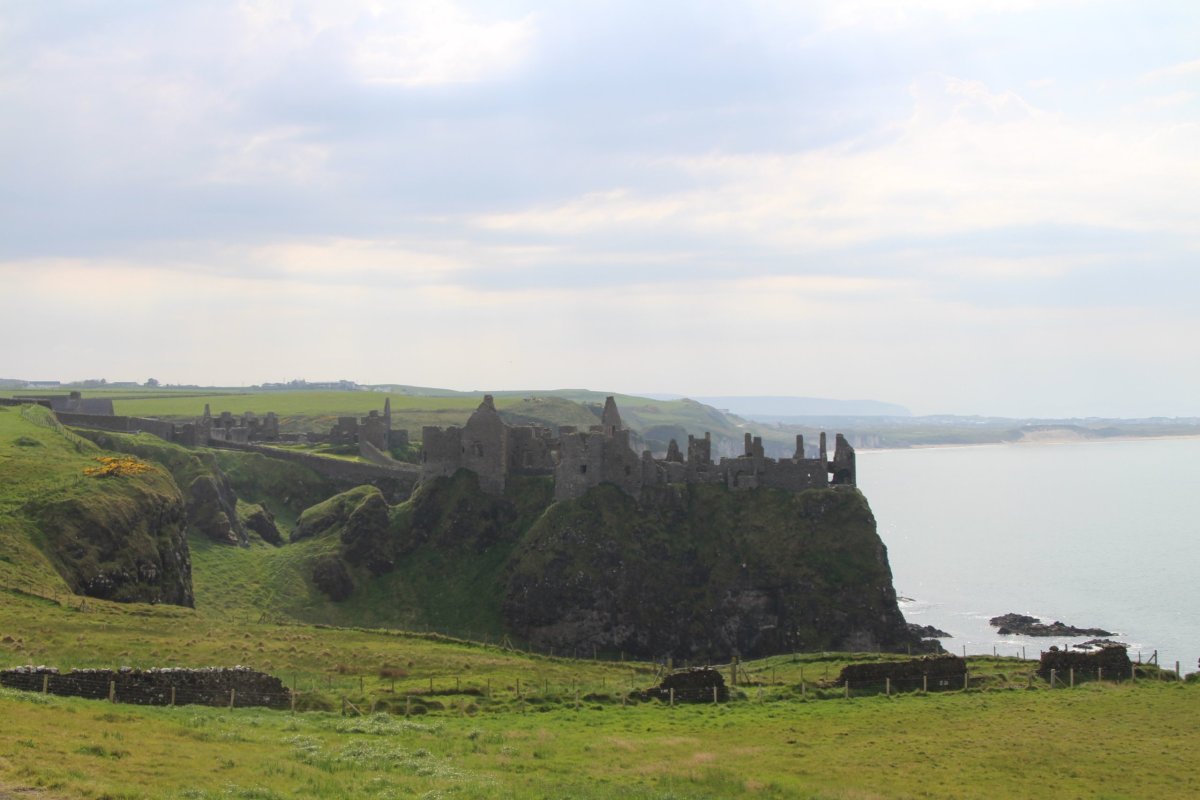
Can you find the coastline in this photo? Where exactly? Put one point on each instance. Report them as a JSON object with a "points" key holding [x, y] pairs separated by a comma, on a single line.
{"points": [[1051, 439]]}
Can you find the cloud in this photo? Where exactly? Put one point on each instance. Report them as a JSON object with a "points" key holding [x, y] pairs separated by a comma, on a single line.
{"points": [[927, 204]]}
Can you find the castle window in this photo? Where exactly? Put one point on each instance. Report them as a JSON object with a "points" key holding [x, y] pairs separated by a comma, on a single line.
{"points": [[582, 469]]}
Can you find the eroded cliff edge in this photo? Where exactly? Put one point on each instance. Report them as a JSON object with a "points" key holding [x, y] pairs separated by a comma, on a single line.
{"points": [[698, 571]]}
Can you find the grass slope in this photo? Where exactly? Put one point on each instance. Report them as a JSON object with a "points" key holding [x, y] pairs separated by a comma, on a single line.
{"points": [[60, 526]]}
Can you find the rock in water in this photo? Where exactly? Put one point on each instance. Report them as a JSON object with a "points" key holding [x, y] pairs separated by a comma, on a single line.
{"points": [[1024, 625]]}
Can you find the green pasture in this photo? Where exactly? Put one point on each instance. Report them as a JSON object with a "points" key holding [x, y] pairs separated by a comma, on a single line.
{"points": [[433, 716], [1110, 741]]}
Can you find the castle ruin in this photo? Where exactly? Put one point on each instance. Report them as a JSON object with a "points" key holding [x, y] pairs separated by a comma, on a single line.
{"points": [[579, 460]]}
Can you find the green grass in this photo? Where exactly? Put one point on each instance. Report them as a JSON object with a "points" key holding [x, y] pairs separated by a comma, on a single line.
{"points": [[491, 721], [36, 461], [1094, 741]]}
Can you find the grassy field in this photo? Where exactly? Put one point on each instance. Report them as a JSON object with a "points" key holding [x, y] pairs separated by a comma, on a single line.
{"points": [[449, 718], [314, 410], [487, 721]]}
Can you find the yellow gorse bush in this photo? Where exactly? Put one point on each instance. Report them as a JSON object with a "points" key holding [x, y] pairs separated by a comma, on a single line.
{"points": [[115, 466]]}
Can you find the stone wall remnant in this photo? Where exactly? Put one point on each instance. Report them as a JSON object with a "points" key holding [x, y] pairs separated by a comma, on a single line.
{"points": [[604, 453]]}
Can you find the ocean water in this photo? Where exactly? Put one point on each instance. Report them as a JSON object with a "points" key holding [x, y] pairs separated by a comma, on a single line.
{"points": [[1095, 534]]}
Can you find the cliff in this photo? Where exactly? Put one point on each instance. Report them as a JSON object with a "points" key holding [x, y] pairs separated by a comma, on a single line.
{"points": [[692, 572], [699, 572], [110, 531]]}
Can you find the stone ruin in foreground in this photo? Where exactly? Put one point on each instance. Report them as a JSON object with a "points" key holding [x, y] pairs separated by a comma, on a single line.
{"points": [[579, 460]]}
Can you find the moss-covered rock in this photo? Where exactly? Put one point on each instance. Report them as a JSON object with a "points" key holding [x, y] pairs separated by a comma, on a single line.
{"points": [[211, 500], [699, 571], [261, 521], [329, 574], [125, 540], [360, 519]]}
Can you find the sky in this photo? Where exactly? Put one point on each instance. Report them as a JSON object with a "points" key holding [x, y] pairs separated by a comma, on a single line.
{"points": [[961, 207]]}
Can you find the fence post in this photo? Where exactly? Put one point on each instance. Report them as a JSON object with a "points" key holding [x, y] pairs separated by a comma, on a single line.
{"points": [[925, 683], [232, 696], [1071, 676], [45, 683], [112, 691], [172, 695], [293, 700], [672, 698], [966, 680], [847, 690], [1100, 674], [803, 690], [887, 686], [715, 695], [1176, 670]]}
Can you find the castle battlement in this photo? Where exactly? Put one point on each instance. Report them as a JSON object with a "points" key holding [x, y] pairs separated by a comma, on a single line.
{"points": [[579, 460]]}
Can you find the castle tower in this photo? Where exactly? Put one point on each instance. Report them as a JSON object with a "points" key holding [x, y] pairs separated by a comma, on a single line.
{"points": [[843, 467], [611, 418], [485, 446], [799, 446], [387, 422]]}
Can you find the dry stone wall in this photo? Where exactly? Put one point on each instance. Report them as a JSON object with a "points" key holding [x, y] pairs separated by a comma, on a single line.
{"points": [[221, 686]]}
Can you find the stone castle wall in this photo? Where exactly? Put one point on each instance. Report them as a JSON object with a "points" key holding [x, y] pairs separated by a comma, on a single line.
{"points": [[580, 460], [396, 480]]}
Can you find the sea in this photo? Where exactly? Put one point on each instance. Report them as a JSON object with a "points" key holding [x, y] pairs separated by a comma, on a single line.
{"points": [[1096, 534]]}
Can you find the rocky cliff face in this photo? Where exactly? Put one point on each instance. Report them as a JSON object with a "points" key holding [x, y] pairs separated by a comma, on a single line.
{"points": [[125, 542], [211, 504], [701, 572]]}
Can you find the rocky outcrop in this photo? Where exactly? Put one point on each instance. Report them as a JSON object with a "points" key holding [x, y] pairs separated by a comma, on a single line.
{"points": [[123, 538], [927, 631], [1023, 625], [360, 520], [703, 572], [211, 500], [262, 521], [330, 576]]}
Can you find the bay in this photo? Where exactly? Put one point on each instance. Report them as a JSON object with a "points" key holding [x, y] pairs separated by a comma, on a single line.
{"points": [[1095, 534]]}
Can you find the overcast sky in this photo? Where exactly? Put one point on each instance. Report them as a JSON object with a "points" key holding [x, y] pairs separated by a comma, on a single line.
{"points": [[961, 207]]}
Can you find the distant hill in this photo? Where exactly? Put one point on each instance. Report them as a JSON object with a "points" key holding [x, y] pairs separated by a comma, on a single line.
{"points": [[783, 408]]}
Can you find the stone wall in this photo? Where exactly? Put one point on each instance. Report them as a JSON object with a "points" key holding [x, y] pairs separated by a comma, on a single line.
{"points": [[396, 481], [911, 671], [1114, 660], [237, 686], [106, 422]]}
